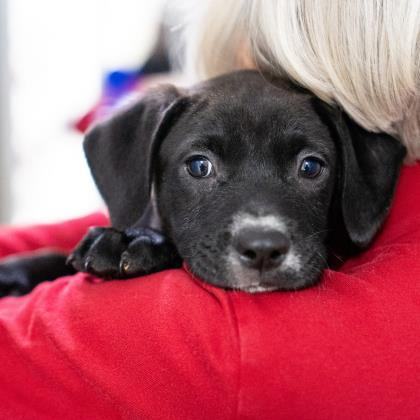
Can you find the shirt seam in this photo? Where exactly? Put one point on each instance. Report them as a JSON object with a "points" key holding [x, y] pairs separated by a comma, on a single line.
{"points": [[239, 358]]}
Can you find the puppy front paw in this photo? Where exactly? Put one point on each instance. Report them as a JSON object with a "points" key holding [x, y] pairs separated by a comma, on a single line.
{"points": [[109, 253], [148, 251], [99, 252]]}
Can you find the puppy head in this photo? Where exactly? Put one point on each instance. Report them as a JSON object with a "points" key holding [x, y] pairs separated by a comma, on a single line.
{"points": [[248, 178]]}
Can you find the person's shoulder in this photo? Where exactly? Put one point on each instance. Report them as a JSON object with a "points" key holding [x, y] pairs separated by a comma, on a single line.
{"points": [[148, 342]]}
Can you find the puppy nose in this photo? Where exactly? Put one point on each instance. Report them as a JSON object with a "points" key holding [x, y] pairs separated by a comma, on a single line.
{"points": [[261, 249]]}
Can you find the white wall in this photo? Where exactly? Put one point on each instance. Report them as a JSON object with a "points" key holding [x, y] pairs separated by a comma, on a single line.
{"points": [[4, 117], [58, 52]]}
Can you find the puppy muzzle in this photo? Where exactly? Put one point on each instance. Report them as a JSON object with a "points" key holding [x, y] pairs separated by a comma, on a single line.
{"points": [[260, 249], [260, 252]]}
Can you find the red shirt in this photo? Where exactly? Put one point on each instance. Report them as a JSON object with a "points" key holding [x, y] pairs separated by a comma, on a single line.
{"points": [[168, 346]]}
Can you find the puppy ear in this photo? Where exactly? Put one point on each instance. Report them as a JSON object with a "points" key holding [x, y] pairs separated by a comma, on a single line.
{"points": [[121, 152], [368, 168]]}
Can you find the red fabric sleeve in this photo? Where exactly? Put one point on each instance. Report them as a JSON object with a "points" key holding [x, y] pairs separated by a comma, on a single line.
{"points": [[63, 236], [168, 346]]}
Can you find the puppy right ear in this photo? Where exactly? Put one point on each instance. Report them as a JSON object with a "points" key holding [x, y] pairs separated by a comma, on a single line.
{"points": [[121, 152], [369, 166]]}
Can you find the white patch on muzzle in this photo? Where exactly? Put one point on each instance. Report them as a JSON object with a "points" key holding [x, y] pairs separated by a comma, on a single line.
{"points": [[292, 261], [248, 279], [268, 222]]}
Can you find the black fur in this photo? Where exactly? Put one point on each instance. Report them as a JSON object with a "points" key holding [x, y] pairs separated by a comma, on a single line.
{"points": [[256, 135], [19, 275]]}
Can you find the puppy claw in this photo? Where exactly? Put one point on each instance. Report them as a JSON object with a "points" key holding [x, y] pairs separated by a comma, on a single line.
{"points": [[70, 259], [125, 267], [88, 265]]}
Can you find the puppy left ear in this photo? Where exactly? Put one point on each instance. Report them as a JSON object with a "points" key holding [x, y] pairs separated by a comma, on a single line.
{"points": [[121, 154], [369, 165]]}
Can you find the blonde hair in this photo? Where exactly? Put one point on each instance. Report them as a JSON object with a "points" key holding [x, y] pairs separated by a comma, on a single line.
{"points": [[363, 55]]}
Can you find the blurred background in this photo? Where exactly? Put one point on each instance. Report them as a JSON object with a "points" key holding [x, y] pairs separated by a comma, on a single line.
{"points": [[62, 66]]}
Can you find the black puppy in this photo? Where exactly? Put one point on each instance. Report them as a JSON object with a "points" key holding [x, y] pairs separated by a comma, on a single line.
{"points": [[249, 182]]}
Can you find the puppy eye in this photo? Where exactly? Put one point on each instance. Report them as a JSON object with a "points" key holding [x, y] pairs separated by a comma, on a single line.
{"points": [[199, 167], [311, 167]]}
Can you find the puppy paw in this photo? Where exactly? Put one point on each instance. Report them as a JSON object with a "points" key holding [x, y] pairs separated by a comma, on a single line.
{"points": [[109, 253], [99, 252], [148, 251]]}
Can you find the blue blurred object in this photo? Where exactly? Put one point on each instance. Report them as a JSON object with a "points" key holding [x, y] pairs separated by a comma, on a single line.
{"points": [[119, 82]]}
